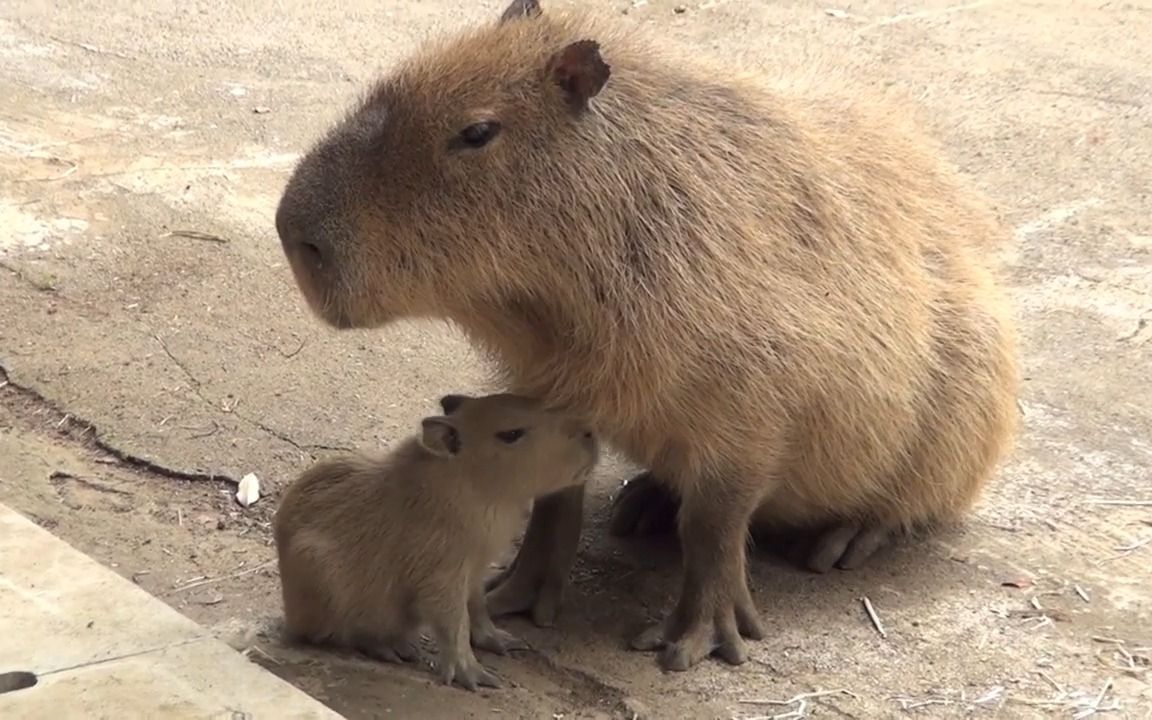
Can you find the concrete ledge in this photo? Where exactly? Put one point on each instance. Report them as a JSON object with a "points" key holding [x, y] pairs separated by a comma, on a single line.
{"points": [[102, 647]]}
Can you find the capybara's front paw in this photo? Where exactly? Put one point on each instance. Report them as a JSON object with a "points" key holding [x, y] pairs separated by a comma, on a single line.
{"points": [[644, 506], [704, 623]]}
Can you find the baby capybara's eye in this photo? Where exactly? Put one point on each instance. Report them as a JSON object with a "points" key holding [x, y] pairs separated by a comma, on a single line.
{"points": [[510, 436], [479, 134]]}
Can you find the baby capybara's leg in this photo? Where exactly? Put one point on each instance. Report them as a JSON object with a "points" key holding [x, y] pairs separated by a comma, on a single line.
{"points": [[485, 634], [452, 630]]}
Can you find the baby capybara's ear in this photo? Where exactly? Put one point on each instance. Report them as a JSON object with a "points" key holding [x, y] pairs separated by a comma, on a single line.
{"points": [[439, 436], [451, 403], [579, 72], [520, 9]]}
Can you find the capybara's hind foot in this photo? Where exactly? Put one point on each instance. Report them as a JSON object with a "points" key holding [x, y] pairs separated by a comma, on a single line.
{"points": [[847, 546], [644, 506]]}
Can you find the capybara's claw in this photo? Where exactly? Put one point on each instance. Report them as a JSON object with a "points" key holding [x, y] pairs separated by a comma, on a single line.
{"points": [[693, 632], [470, 675]]}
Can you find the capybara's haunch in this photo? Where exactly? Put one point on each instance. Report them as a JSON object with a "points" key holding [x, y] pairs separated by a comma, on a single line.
{"points": [[769, 292], [372, 549]]}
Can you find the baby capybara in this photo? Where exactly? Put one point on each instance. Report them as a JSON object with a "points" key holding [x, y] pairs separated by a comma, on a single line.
{"points": [[372, 549], [769, 291]]}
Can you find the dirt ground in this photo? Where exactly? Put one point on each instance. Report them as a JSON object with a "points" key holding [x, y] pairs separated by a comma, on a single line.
{"points": [[154, 350]]}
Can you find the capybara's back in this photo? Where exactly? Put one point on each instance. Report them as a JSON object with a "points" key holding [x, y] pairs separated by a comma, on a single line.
{"points": [[771, 294], [307, 527]]}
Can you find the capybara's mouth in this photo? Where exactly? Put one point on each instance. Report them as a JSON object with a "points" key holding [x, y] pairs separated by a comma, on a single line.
{"points": [[317, 290]]}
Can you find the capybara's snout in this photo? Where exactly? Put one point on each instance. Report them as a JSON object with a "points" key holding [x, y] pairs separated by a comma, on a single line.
{"points": [[311, 224], [303, 245]]}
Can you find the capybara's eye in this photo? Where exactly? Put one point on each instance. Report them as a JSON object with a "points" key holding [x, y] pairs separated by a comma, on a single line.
{"points": [[510, 436], [480, 134]]}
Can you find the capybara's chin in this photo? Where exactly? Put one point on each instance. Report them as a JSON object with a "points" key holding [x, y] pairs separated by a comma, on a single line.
{"points": [[330, 298]]}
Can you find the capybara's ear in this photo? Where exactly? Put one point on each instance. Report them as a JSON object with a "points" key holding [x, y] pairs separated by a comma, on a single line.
{"points": [[440, 436], [520, 9], [580, 72], [451, 403]]}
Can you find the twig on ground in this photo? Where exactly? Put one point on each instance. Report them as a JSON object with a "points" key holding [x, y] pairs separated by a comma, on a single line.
{"points": [[1136, 545], [1080, 703], [1124, 551], [995, 694], [1055, 685], [1120, 503], [294, 353], [196, 235], [800, 701], [873, 617], [1096, 707], [202, 432], [1134, 662], [208, 581], [798, 698], [255, 650], [1082, 593], [89, 47], [910, 703]]}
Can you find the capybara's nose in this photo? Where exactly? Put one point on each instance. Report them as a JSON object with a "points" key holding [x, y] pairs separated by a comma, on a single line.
{"points": [[300, 242]]}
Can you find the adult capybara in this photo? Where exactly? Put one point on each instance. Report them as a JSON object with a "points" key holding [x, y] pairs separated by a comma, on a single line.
{"points": [[769, 292], [372, 549]]}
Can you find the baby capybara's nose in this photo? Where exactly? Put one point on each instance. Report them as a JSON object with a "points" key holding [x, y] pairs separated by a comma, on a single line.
{"points": [[301, 242]]}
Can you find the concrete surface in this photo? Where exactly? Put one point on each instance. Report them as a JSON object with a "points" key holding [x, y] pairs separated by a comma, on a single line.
{"points": [[142, 361], [101, 647]]}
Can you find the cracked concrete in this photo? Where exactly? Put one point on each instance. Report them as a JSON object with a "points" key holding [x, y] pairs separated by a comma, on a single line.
{"points": [[86, 430], [142, 150]]}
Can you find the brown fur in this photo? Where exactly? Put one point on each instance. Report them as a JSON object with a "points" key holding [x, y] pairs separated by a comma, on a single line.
{"points": [[373, 548], [766, 291]]}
